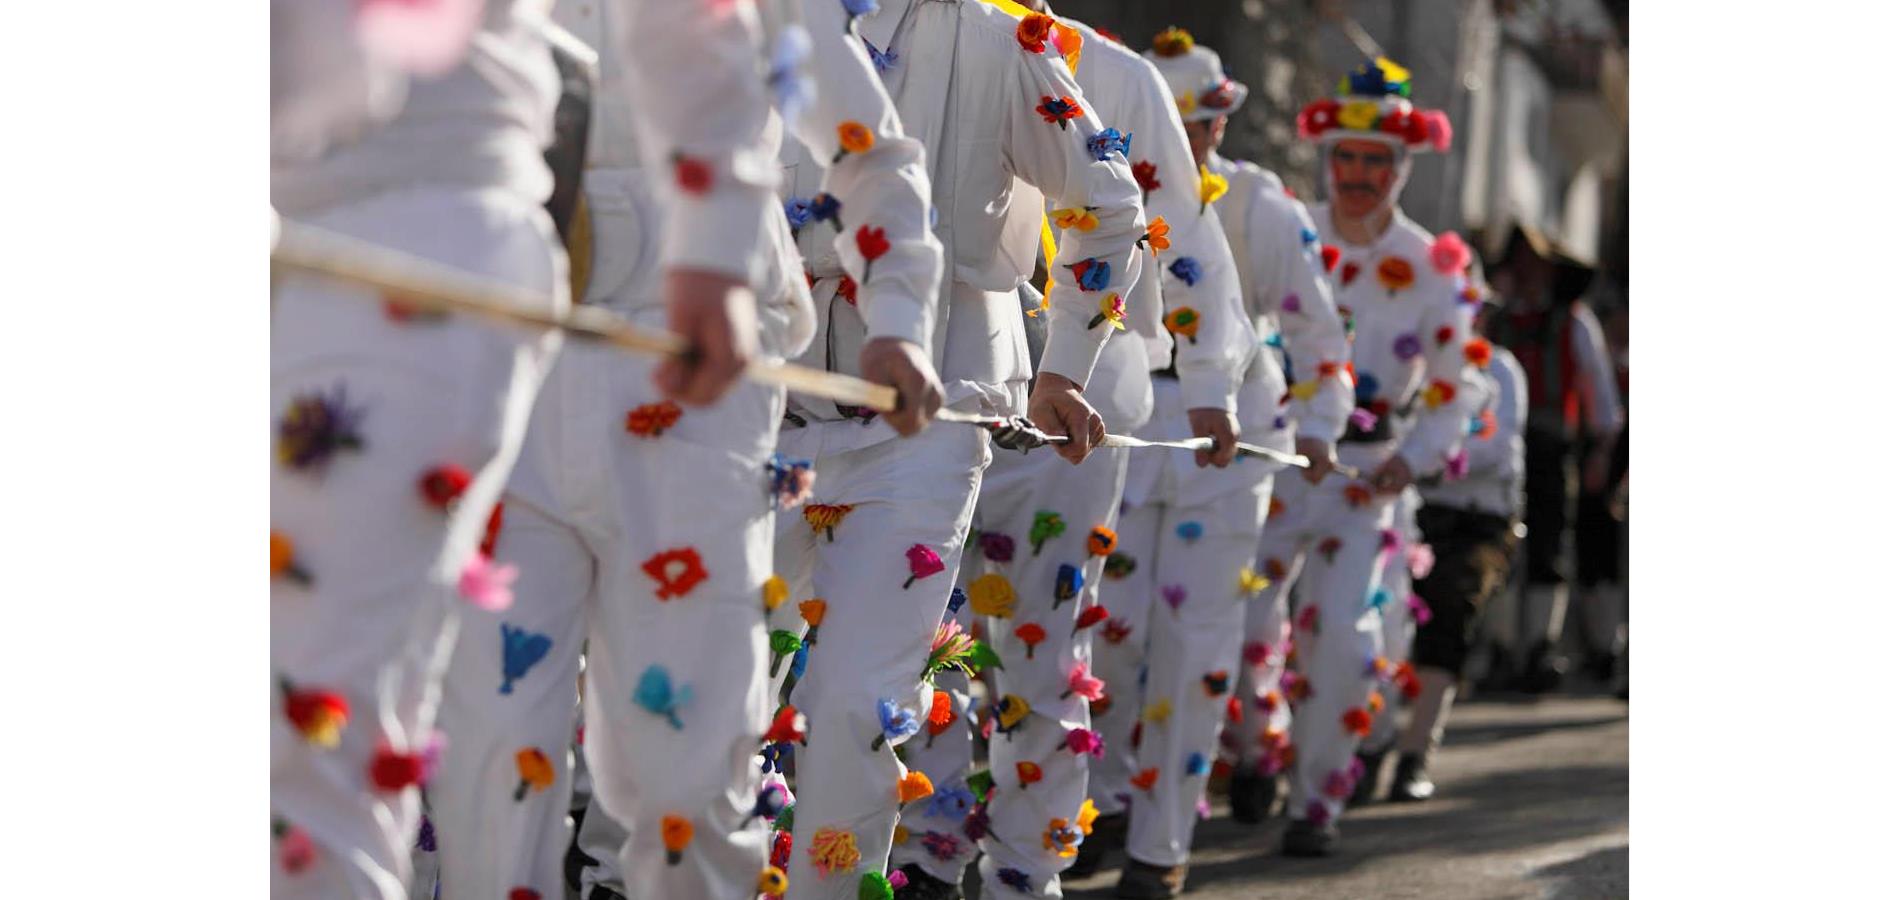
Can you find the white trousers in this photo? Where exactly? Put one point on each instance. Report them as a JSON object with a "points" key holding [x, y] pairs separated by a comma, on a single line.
{"points": [[1399, 617], [652, 543], [1170, 646], [1314, 718], [908, 499], [374, 625]]}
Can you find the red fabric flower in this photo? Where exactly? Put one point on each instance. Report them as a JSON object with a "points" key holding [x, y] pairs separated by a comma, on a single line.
{"points": [[694, 175], [1276, 570], [491, 532], [392, 770], [1478, 352], [524, 893], [1358, 495], [652, 419], [1329, 255], [1059, 110], [1145, 176], [442, 484], [678, 571], [1116, 631], [1347, 274], [871, 245], [1033, 32], [1145, 779], [1357, 721], [1443, 335], [1031, 634], [1090, 616], [848, 289], [318, 715], [788, 725], [1233, 710], [1318, 116]]}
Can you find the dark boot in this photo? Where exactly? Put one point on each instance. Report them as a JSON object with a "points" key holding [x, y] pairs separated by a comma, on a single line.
{"points": [[1141, 881], [1409, 781], [1543, 670], [1109, 835], [921, 886], [1368, 785], [1252, 797], [1303, 838]]}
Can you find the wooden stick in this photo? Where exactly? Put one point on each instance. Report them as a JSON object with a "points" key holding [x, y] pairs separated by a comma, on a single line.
{"points": [[433, 287]]}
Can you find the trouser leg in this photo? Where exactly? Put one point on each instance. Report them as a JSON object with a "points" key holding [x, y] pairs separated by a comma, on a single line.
{"points": [[1391, 598], [373, 626], [910, 500], [1193, 650], [1120, 657], [1262, 742], [1053, 578], [1337, 643], [932, 834]]}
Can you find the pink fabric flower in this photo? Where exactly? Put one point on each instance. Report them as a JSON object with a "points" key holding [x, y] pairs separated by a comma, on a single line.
{"points": [[1174, 595], [1437, 128], [1389, 541], [898, 879], [1308, 619], [1082, 740], [1449, 253], [423, 37], [295, 851], [486, 584], [1290, 303], [1420, 559], [1317, 813], [1082, 683], [1255, 653], [1421, 611], [1458, 465], [924, 562], [1363, 419]]}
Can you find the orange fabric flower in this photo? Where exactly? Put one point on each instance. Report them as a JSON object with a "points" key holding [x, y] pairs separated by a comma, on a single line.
{"points": [[675, 832], [1395, 273], [283, 559], [1157, 236], [1357, 721], [812, 611], [1478, 352], [1033, 32], [1375, 703], [1101, 541], [914, 785], [833, 850], [826, 516], [941, 712], [1145, 779], [678, 571], [1028, 773], [535, 770], [854, 137], [652, 419]]}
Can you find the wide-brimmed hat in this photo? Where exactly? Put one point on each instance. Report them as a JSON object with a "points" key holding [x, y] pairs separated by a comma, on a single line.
{"points": [[1374, 103], [1195, 77]]}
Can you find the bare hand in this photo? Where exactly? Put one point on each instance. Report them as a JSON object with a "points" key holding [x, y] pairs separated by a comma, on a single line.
{"points": [[1056, 406], [1319, 457], [1219, 424], [714, 313], [903, 365], [1392, 476]]}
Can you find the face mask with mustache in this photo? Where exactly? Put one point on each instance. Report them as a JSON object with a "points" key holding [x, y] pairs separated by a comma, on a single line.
{"points": [[1401, 170]]}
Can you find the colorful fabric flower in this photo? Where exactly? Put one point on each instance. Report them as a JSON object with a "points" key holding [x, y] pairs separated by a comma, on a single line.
{"points": [[871, 245], [880, 60], [1186, 268], [1215, 682], [693, 175], [1108, 141], [854, 137], [1359, 115], [1091, 274], [924, 562], [283, 560], [1061, 838], [1449, 254], [392, 770], [1010, 713], [1478, 352], [1030, 634], [1118, 566], [1069, 582], [774, 592], [950, 802], [1079, 218], [1015, 878], [825, 517], [316, 426], [992, 595], [520, 650], [1117, 630], [894, 722], [825, 208], [1081, 741], [1156, 236], [913, 785], [652, 419], [442, 485], [1046, 525], [788, 726], [855, 8], [657, 694], [295, 850], [487, 585], [319, 716], [1158, 711], [1113, 311], [1058, 110], [1027, 773], [1089, 616], [1173, 595], [1347, 273], [537, 773], [678, 571], [949, 649], [1145, 779], [941, 846], [1189, 531], [1032, 32], [1171, 42], [792, 479], [1395, 273], [1213, 187], [1145, 177], [772, 881], [1083, 684], [1252, 582], [997, 547], [1357, 721], [1185, 322], [1197, 764], [1358, 496], [1439, 393]]}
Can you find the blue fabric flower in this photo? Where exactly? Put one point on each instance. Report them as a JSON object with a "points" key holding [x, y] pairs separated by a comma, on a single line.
{"points": [[824, 208], [774, 757], [1308, 235], [856, 8], [896, 721], [1107, 141], [316, 426], [952, 802], [1366, 389], [520, 650], [883, 62], [1187, 269], [1068, 582], [792, 90], [799, 659], [1015, 878], [1197, 763], [797, 212], [1189, 531], [657, 695], [771, 802], [1091, 274], [1379, 599], [1475, 425], [957, 599]]}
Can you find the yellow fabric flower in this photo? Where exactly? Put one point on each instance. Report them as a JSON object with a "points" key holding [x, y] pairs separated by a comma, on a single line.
{"points": [[901, 835], [1252, 582], [1213, 187], [1158, 711], [1012, 710], [1113, 312], [773, 881], [1085, 817], [1082, 219], [1394, 72], [775, 592], [1172, 41], [1303, 390], [1359, 114], [854, 137], [1185, 103], [992, 595], [833, 851]]}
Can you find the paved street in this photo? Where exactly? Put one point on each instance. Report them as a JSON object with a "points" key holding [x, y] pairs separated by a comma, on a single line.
{"points": [[1533, 802]]}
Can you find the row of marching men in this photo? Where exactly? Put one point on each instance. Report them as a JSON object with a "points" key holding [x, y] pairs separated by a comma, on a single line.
{"points": [[461, 514]]}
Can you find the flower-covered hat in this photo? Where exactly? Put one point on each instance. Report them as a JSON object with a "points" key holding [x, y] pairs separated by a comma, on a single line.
{"points": [[1374, 103], [1200, 86]]}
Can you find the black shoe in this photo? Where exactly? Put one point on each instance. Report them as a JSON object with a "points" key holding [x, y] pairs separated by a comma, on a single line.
{"points": [[1544, 672], [603, 892], [1109, 835], [921, 886], [1252, 797], [1600, 666], [1303, 838], [1409, 781], [1141, 881], [1368, 785]]}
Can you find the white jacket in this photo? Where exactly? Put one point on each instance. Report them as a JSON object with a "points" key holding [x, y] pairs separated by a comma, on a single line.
{"points": [[1494, 477]]}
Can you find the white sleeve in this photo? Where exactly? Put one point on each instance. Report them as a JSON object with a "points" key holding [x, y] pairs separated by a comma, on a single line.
{"points": [[1297, 289], [1507, 407]]}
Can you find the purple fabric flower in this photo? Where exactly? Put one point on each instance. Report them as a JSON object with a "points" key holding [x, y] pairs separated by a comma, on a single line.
{"points": [[1279, 422], [1458, 465], [1338, 784], [1288, 678], [316, 426], [1174, 595], [942, 847], [1015, 878], [1406, 347], [425, 839], [1421, 612], [1356, 769], [977, 823], [1290, 303], [1201, 809], [997, 546], [1317, 814], [1363, 419]]}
